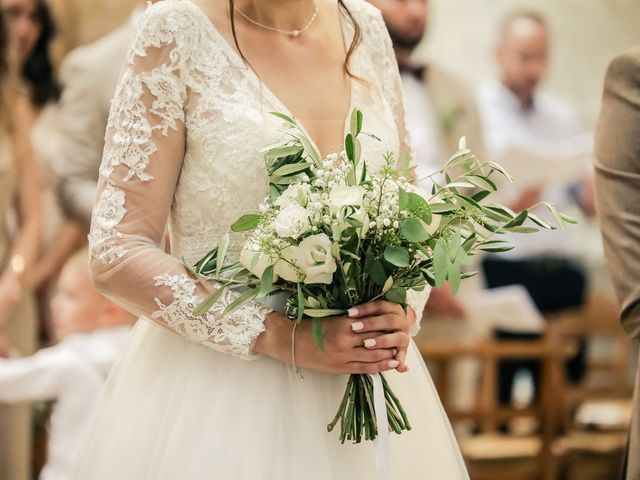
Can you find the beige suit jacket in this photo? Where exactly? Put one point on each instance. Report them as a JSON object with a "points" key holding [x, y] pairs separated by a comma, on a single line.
{"points": [[89, 76], [456, 111], [617, 163]]}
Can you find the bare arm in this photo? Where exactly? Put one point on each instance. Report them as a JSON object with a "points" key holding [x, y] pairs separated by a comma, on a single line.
{"points": [[27, 242]]}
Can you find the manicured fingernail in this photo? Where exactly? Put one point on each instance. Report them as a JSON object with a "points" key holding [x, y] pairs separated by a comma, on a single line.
{"points": [[395, 351], [369, 342], [393, 363], [352, 312], [355, 326]]}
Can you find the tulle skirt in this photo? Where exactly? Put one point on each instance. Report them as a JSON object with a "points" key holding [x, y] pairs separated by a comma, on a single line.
{"points": [[176, 410]]}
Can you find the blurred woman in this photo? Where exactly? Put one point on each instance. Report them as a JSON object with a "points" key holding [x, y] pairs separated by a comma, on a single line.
{"points": [[31, 29], [20, 229]]}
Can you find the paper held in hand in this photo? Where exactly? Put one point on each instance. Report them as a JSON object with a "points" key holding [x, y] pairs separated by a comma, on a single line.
{"points": [[558, 163]]}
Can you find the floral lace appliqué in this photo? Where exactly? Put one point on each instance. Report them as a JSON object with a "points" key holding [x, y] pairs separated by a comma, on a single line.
{"points": [[233, 334]]}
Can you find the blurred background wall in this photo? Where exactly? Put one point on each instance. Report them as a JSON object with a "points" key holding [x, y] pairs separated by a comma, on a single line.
{"points": [[586, 35]]}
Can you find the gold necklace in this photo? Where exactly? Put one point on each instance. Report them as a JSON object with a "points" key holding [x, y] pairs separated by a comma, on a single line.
{"points": [[291, 33]]}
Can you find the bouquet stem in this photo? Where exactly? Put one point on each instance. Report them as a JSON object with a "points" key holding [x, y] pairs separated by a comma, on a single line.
{"points": [[356, 413]]}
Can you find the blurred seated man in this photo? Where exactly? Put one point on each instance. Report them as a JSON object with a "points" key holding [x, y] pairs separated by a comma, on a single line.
{"points": [[439, 109], [92, 334], [522, 122]]}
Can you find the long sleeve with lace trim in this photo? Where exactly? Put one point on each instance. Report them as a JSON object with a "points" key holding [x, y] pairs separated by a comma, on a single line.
{"points": [[143, 156]]}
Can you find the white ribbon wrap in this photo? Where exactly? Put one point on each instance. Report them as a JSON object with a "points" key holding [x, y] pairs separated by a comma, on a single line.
{"points": [[382, 442]]}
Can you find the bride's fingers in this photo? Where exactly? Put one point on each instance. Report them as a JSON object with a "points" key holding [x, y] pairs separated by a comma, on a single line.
{"points": [[401, 357], [396, 339], [379, 307], [375, 367], [379, 323], [362, 354]]}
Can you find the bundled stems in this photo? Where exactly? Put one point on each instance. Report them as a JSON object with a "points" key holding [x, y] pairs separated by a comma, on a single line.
{"points": [[356, 413]]}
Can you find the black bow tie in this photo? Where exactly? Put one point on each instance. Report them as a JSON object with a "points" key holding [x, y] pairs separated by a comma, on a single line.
{"points": [[417, 71]]}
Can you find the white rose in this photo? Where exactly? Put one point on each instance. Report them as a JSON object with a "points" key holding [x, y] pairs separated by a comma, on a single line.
{"points": [[295, 194], [254, 261], [315, 260], [342, 195], [291, 221]]}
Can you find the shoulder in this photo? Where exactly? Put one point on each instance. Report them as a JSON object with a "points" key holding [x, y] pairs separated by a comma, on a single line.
{"points": [[179, 23], [368, 17], [625, 68]]}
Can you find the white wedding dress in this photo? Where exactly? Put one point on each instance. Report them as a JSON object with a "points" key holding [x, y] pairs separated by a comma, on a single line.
{"points": [[189, 400]]}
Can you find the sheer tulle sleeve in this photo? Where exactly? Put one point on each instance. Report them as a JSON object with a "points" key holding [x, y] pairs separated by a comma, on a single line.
{"points": [[392, 89], [142, 160]]}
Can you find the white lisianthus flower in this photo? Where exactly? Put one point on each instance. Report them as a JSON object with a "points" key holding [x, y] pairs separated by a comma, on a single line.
{"points": [[315, 259], [296, 194], [254, 260], [342, 195], [292, 221]]}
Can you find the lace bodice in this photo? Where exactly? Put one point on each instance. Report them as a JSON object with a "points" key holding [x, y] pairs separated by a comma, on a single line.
{"points": [[182, 150]]}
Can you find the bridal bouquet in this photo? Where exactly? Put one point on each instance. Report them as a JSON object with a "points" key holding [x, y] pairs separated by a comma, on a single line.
{"points": [[333, 234]]}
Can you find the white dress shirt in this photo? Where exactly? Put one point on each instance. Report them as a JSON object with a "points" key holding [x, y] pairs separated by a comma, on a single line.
{"points": [[546, 129], [423, 128], [72, 373]]}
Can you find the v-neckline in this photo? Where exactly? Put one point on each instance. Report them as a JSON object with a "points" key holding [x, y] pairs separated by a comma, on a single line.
{"points": [[279, 105]]}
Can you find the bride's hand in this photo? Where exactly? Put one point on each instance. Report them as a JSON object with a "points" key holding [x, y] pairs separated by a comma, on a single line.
{"points": [[344, 351], [381, 325]]}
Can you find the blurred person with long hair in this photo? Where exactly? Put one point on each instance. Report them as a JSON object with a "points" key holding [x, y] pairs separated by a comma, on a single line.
{"points": [[32, 30], [20, 229]]}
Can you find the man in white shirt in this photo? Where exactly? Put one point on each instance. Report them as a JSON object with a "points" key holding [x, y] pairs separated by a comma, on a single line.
{"points": [[439, 108], [92, 333], [519, 121]]}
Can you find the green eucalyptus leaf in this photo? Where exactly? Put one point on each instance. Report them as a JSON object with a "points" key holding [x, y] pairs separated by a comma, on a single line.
{"points": [[387, 285], [412, 230], [482, 182], [521, 229], [376, 271], [348, 146], [397, 256], [209, 302], [301, 302], [242, 300], [323, 312], [316, 330], [266, 282], [355, 125], [396, 295], [223, 244], [453, 274], [246, 222], [440, 263], [403, 199], [291, 169], [284, 117], [518, 220], [284, 151]]}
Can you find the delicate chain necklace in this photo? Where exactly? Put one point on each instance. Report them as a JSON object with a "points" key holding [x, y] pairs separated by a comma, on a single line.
{"points": [[291, 33]]}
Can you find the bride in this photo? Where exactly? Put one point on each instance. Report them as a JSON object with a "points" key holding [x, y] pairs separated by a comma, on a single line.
{"points": [[202, 397]]}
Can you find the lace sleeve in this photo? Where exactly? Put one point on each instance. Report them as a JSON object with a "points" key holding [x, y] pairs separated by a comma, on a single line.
{"points": [[144, 150]]}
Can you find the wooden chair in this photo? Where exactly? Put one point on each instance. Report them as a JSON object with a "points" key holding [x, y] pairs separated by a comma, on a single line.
{"points": [[491, 455], [596, 411]]}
